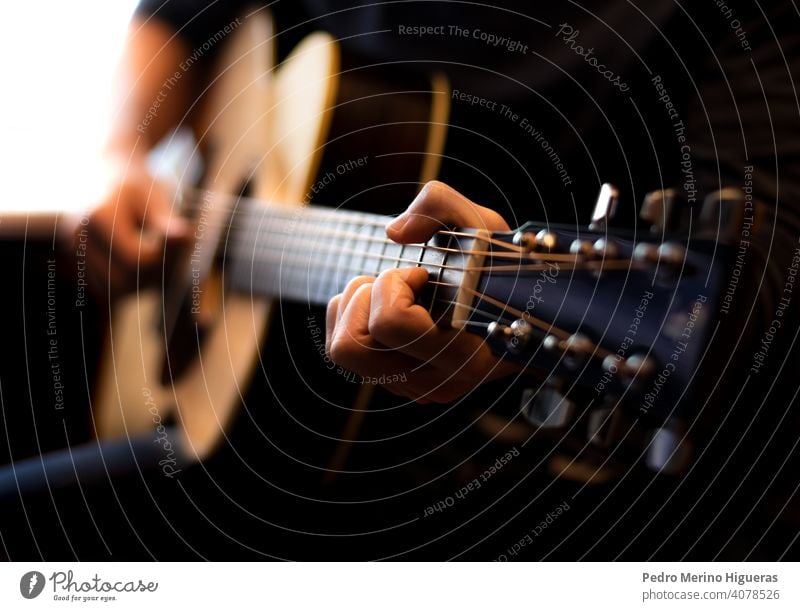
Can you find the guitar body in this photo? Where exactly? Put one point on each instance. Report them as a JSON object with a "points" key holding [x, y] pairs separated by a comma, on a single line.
{"points": [[264, 130]]}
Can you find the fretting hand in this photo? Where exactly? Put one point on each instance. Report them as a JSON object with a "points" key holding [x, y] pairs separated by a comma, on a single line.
{"points": [[375, 328]]}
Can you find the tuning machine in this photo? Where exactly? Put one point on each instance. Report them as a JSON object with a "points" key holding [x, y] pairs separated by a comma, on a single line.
{"points": [[639, 366], [669, 450], [603, 424], [544, 240], [575, 348], [515, 338], [547, 407], [723, 214], [602, 248], [667, 211], [526, 240], [671, 257], [605, 208]]}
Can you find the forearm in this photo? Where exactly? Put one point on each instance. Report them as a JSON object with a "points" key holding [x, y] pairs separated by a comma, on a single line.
{"points": [[151, 92]]}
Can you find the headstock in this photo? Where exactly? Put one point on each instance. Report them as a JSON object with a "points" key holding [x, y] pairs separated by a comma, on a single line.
{"points": [[618, 320]]}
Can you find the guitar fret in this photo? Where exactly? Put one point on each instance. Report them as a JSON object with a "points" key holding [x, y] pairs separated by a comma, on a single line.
{"points": [[402, 255], [264, 233], [312, 279], [421, 259], [327, 284], [381, 260], [318, 281], [440, 275], [345, 262], [366, 251], [287, 266], [311, 254]]}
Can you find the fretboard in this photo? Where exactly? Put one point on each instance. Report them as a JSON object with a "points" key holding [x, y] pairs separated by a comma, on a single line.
{"points": [[309, 254]]}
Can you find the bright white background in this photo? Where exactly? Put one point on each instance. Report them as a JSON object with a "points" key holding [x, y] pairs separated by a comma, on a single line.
{"points": [[56, 62]]}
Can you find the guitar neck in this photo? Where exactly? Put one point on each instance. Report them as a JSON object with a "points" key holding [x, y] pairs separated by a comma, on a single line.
{"points": [[309, 254]]}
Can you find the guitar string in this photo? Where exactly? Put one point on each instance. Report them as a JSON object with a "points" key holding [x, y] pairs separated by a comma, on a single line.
{"points": [[541, 324], [599, 350], [306, 258], [494, 318], [378, 240], [270, 253], [318, 213], [357, 237], [265, 249], [303, 215], [256, 206], [270, 229]]}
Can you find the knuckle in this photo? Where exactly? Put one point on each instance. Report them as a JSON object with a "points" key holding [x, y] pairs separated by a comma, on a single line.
{"points": [[333, 303], [356, 283], [343, 350], [431, 194], [434, 186], [493, 219], [363, 292], [387, 273], [384, 324]]}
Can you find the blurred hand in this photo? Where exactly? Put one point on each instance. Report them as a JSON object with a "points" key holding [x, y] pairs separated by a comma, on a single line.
{"points": [[375, 328], [130, 229]]}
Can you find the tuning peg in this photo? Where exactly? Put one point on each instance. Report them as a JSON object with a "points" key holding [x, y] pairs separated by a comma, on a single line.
{"points": [[530, 242], [525, 239], [669, 451], [498, 332], [546, 240], [547, 407], [578, 342], [605, 249], [637, 366], [551, 343], [515, 338], [672, 254], [723, 214], [646, 252], [582, 247], [605, 208], [640, 366], [602, 425], [575, 348], [665, 210]]}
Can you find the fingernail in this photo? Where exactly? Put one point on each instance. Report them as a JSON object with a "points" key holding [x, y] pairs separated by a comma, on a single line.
{"points": [[398, 223]]}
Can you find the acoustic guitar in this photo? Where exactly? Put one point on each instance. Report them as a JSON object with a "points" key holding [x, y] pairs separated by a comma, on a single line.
{"points": [[617, 321]]}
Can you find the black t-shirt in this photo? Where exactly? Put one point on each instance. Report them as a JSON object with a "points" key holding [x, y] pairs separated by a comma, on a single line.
{"points": [[584, 76]]}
